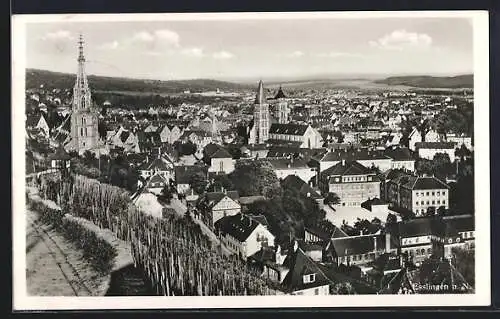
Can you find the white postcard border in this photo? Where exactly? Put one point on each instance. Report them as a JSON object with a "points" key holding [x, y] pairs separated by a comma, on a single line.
{"points": [[482, 297]]}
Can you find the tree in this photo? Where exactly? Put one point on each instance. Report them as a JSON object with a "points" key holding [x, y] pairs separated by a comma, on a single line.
{"points": [[198, 182], [166, 194], [424, 166], [463, 261], [331, 199], [256, 177], [441, 165], [431, 211], [221, 181], [391, 219]]}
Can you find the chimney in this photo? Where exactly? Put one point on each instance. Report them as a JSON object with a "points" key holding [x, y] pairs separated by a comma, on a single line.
{"points": [[375, 244], [343, 162]]}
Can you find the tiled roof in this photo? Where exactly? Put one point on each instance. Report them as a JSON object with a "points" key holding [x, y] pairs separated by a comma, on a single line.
{"points": [[238, 226], [400, 154], [160, 164], [356, 245], [346, 169], [300, 264], [280, 94], [215, 197], [372, 202], [421, 183], [284, 143], [435, 145], [283, 163], [415, 227], [461, 223], [354, 155], [295, 182], [288, 129]]}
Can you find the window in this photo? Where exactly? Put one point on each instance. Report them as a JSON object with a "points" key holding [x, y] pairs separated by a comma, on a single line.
{"points": [[438, 193], [309, 278], [433, 193], [316, 291], [427, 193], [81, 131]]}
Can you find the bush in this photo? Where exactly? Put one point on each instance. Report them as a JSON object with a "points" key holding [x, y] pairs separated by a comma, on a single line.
{"points": [[97, 250]]}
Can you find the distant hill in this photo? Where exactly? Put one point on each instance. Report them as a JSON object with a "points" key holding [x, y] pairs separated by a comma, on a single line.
{"points": [[461, 81], [35, 78]]}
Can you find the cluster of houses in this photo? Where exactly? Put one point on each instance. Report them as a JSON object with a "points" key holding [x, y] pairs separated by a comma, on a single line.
{"points": [[302, 143]]}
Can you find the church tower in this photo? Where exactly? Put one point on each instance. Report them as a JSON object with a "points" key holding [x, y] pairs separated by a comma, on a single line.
{"points": [[261, 116], [84, 117], [282, 107]]}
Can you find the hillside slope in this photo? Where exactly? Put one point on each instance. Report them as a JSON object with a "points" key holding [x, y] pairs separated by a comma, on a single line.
{"points": [[460, 81], [35, 78]]}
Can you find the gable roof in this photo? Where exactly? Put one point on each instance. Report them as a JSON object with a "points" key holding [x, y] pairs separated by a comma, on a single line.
{"points": [[435, 145], [422, 183], [237, 226], [280, 94], [288, 129], [356, 245], [160, 164], [299, 264], [215, 197], [360, 154], [421, 226], [346, 169], [295, 182], [399, 154]]}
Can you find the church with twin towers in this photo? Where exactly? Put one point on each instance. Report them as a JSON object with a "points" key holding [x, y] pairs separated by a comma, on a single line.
{"points": [[268, 130]]}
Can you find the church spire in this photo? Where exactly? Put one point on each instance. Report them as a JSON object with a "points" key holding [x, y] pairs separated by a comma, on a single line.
{"points": [[81, 57], [260, 98], [81, 91]]}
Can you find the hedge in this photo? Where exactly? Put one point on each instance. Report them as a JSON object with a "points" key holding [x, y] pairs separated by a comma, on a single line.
{"points": [[97, 250], [100, 253]]}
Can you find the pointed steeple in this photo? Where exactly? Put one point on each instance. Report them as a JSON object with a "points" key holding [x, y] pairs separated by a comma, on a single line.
{"points": [[260, 98], [81, 56], [280, 94], [81, 91]]}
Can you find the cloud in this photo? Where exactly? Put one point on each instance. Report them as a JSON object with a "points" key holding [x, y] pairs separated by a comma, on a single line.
{"points": [[222, 55], [143, 36], [113, 45], [334, 54], [193, 52], [59, 35], [295, 54], [402, 39], [168, 36]]}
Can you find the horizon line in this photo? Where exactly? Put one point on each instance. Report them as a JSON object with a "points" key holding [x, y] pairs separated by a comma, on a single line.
{"points": [[270, 78]]}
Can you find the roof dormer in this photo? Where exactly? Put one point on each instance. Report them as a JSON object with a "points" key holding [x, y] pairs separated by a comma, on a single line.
{"points": [[309, 278]]}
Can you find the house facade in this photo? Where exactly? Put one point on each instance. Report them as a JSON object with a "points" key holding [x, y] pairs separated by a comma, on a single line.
{"points": [[305, 136], [417, 194], [243, 235], [351, 181], [428, 150]]}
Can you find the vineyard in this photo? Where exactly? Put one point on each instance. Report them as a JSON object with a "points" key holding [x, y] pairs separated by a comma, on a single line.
{"points": [[173, 252]]}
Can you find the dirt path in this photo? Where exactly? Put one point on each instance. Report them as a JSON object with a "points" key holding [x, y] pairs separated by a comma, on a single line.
{"points": [[54, 266]]}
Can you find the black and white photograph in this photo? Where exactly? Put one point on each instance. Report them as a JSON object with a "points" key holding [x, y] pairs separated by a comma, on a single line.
{"points": [[262, 159]]}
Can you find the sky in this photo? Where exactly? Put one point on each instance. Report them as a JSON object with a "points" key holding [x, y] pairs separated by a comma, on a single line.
{"points": [[239, 49]]}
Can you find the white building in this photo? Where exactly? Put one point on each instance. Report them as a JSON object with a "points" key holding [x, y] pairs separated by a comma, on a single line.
{"points": [[428, 150], [243, 235]]}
